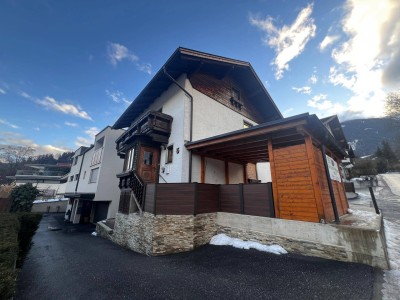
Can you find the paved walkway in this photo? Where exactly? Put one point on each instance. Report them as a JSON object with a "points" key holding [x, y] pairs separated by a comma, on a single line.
{"points": [[72, 264]]}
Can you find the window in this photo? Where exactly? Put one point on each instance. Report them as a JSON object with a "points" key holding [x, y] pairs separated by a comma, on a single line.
{"points": [[235, 94], [75, 160], [170, 152], [247, 124], [76, 176], [148, 158], [84, 175], [129, 160], [235, 98], [93, 175], [71, 178]]}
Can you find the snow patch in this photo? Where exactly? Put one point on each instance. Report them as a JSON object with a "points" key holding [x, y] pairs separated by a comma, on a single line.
{"points": [[224, 240], [51, 200], [94, 233]]}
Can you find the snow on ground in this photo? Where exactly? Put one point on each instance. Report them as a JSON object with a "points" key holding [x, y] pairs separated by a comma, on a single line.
{"points": [[94, 233], [50, 200], [224, 240]]}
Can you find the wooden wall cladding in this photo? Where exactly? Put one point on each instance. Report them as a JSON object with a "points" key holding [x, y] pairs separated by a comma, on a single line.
{"points": [[175, 199], [220, 90], [294, 186], [323, 183], [258, 200], [207, 198], [230, 198], [149, 201]]}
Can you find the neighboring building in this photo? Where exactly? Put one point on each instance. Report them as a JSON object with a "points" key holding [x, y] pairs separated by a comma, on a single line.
{"points": [[203, 129], [49, 179], [92, 185]]}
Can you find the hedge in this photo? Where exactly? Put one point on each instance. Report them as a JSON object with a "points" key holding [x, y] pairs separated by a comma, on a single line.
{"points": [[16, 231]]}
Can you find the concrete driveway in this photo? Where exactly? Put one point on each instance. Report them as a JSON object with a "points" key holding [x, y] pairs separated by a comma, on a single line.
{"points": [[72, 264]]}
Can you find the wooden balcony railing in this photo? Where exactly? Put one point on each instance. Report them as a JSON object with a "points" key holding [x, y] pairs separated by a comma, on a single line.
{"points": [[130, 182]]}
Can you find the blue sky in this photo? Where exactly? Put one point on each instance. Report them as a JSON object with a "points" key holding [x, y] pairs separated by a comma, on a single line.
{"points": [[70, 68]]}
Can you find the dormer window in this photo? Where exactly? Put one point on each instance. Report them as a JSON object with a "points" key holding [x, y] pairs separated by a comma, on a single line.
{"points": [[235, 98]]}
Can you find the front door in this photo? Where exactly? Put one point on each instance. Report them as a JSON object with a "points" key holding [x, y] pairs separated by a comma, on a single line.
{"points": [[148, 164]]}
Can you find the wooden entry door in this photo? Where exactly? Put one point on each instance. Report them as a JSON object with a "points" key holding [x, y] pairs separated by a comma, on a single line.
{"points": [[148, 164]]}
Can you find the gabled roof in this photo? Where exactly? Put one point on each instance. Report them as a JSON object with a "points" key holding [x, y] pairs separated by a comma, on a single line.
{"points": [[187, 61], [333, 124]]}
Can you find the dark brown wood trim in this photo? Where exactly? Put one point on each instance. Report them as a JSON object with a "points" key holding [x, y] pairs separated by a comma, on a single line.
{"points": [[155, 199], [244, 173], [241, 198], [273, 177], [196, 198], [202, 169], [226, 172]]}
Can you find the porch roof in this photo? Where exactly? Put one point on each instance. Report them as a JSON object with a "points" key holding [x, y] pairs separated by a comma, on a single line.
{"points": [[250, 145]]}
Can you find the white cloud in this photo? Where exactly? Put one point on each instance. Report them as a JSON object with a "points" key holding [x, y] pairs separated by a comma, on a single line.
{"points": [[117, 53], [89, 139], [328, 107], [368, 61], [328, 41], [70, 124], [2, 91], [26, 95], [288, 41], [302, 90], [68, 109], [118, 97], [144, 67], [5, 122], [17, 139], [313, 79], [287, 112]]}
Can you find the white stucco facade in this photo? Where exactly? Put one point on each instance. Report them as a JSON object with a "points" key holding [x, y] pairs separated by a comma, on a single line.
{"points": [[93, 175]]}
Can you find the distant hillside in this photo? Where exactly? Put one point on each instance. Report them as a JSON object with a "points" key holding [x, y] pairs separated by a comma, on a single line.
{"points": [[366, 134]]}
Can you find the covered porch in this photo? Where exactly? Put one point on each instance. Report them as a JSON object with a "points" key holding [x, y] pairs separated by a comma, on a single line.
{"points": [[304, 160]]}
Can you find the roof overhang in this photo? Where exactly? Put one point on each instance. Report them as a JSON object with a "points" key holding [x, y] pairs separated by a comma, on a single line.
{"points": [[250, 145], [186, 61]]}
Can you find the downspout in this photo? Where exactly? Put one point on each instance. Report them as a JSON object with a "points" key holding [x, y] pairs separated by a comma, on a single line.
{"points": [[191, 117], [328, 177]]}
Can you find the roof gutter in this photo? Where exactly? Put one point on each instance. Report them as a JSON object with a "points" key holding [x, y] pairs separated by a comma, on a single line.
{"points": [[191, 117]]}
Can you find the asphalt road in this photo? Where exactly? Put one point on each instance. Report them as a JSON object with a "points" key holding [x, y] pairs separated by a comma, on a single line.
{"points": [[72, 264]]}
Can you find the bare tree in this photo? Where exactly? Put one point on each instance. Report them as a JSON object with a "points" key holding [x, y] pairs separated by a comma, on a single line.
{"points": [[14, 156], [392, 105]]}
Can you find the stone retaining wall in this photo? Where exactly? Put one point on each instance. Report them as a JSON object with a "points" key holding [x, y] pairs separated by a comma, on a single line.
{"points": [[165, 234]]}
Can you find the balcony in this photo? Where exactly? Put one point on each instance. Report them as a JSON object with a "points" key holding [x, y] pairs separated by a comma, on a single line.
{"points": [[97, 156], [40, 173], [154, 125]]}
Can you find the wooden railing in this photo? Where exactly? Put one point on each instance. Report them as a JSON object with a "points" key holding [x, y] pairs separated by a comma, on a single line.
{"points": [[130, 182]]}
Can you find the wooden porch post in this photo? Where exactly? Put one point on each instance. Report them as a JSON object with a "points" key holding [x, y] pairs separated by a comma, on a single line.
{"points": [[314, 176], [202, 169], [245, 173], [274, 179], [226, 172]]}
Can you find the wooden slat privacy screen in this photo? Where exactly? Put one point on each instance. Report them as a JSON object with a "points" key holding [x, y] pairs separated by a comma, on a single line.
{"points": [[198, 198]]}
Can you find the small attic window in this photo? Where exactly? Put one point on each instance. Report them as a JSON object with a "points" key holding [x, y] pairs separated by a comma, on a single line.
{"points": [[235, 98], [235, 94]]}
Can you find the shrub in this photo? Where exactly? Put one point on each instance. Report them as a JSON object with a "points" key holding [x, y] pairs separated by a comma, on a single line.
{"points": [[9, 227], [16, 231], [22, 197], [29, 222]]}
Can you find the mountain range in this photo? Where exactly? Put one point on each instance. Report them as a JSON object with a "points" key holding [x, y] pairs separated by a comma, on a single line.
{"points": [[365, 135]]}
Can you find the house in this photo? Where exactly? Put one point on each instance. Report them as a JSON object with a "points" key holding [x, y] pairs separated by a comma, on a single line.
{"points": [[48, 179], [92, 186], [207, 151]]}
